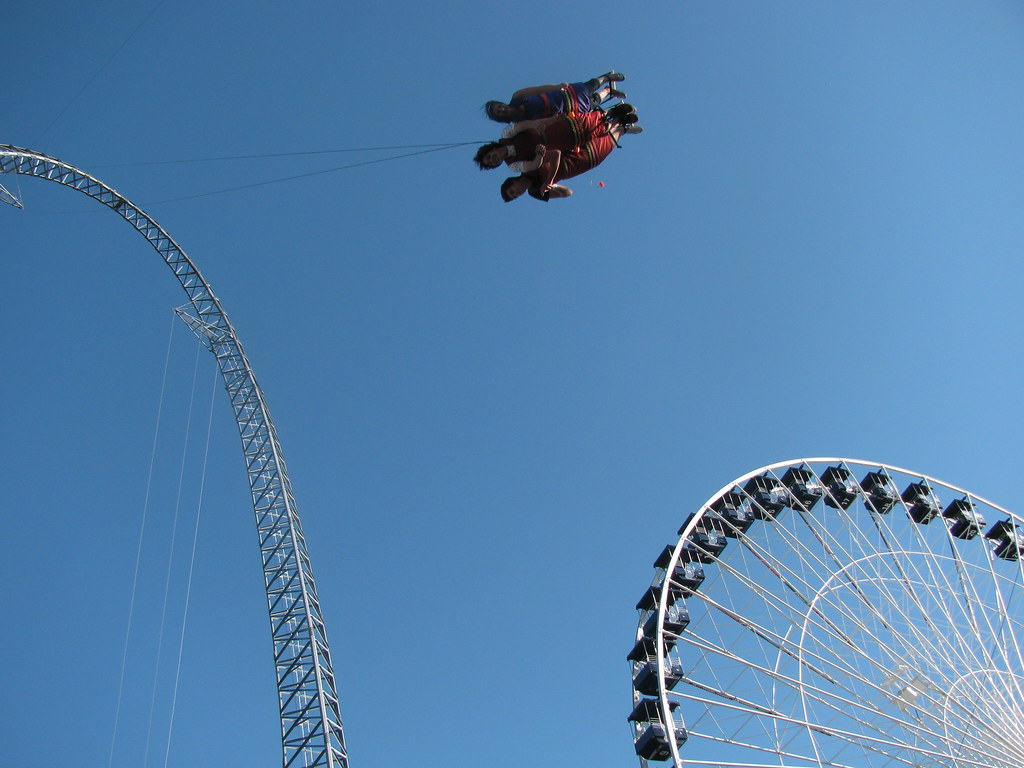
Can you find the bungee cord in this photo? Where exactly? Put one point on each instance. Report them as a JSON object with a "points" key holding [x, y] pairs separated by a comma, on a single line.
{"points": [[306, 153], [434, 148], [421, 149]]}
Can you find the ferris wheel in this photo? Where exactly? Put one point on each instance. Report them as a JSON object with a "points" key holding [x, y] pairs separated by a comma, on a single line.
{"points": [[834, 612]]}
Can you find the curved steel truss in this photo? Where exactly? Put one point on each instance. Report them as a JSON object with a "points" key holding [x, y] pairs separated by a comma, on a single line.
{"points": [[311, 728]]}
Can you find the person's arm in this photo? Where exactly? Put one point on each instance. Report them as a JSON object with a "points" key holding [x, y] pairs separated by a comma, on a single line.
{"points": [[547, 169], [551, 193], [534, 125], [545, 188], [558, 190], [533, 165], [522, 94]]}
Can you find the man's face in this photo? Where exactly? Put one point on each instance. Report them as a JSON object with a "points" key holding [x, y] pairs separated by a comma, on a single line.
{"points": [[518, 186]]}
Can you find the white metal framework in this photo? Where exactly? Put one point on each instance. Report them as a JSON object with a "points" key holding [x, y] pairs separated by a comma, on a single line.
{"points": [[311, 727], [834, 612]]}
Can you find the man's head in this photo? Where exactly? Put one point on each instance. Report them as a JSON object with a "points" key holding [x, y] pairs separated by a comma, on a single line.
{"points": [[513, 187]]}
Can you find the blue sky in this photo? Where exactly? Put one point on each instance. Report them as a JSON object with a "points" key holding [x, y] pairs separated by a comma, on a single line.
{"points": [[494, 415]]}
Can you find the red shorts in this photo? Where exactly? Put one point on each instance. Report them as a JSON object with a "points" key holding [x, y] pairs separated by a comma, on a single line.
{"points": [[588, 127], [584, 158]]}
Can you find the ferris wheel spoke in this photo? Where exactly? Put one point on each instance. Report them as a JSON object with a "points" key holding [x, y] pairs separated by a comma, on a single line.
{"points": [[848, 643], [831, 669], [1014, 651], [771, 636], [847, 556], [809, 613], [972, 653], [877, 744], [913, 587], [831, 699], [959, 653], [918, 641], [974, 606], [807, 761], [923, 646]]}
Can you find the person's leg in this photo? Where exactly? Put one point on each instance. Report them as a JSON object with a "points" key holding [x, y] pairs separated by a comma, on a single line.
{"points": [[623, 113], [601, 87], [618, 130], [605, 93], [606, 79], [622, 119], [589, 126]]}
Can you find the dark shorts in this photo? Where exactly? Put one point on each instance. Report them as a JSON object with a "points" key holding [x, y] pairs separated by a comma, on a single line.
{"points": [[571, 98]]}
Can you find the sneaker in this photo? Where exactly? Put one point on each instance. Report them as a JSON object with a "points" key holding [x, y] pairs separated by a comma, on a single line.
{"points": [[614, 77], [619, 111], [634, 129]]}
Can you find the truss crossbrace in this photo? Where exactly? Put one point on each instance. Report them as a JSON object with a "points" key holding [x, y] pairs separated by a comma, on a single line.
{"points": [[9, 197], [207, 334]]}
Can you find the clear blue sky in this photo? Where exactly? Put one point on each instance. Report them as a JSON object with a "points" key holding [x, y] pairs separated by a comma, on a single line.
{"points": [[494, 415]]}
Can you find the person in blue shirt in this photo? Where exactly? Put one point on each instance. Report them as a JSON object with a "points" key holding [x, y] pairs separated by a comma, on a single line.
{"points": [[542, 101]]}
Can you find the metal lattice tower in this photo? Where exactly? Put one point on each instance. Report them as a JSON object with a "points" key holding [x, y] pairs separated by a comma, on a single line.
{"points": [[311, 730]]}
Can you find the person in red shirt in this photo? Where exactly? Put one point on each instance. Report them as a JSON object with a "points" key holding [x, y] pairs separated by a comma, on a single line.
{"points": [[562, 132], [549, 151], [555, 166]]}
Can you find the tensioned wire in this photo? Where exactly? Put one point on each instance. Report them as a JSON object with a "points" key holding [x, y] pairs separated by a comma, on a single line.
{"points": [[138, 557], [138, 547], [99, 71], [432, 148], [421, 149], [191, 566], [170, 556], [266, 155]]}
